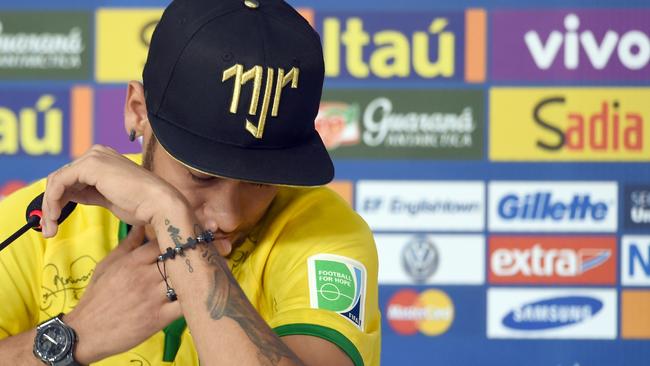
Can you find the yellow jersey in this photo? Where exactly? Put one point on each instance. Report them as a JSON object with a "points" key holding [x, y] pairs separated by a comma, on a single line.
{"points": [[309, 268]]}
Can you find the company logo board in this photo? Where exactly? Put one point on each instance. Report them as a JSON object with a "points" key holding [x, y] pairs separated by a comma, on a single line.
{"points": [[635, 260], [635, 322], [553, 206], [123, 38], [431, 259], [405, 124], [109, 128], [45, 45], [422, 205], [430, 312], [338, 284], [637, 208], [570, 124], [55, 122], [122, 42], [552, 260], [570, 44], [421, 46], [568, 313]]}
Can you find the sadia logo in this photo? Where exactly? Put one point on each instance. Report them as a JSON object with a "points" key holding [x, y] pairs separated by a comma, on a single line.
{"points": [[559, 206], [637, 207], [571, 45], [41, 123], [570, 124], [553, 259], [430, 312], [338, 284], [415, 46], [552, 313]]}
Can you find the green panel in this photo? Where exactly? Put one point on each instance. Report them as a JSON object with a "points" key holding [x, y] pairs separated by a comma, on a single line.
{"points": [[403, 124]]}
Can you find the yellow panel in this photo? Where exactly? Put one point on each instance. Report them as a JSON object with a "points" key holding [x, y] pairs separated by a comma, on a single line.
{"points": [[122, 41], [569, 124]]}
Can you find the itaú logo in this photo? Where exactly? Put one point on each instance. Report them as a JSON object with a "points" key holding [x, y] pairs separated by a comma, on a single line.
{"points": [[540, 262], [542, 206], [553, 313]]}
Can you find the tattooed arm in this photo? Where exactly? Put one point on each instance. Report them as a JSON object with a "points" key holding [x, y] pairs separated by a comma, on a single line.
{"points": [[226, 329]]}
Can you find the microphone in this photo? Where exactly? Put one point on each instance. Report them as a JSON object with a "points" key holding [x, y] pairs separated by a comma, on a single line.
{"points": [[33, 215]]}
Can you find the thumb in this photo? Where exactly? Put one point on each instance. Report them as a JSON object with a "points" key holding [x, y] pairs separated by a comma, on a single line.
{"points": [[133, 240]]}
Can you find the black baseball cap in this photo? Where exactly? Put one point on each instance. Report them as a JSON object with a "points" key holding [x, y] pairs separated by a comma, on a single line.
{"points": [[233, 88]]}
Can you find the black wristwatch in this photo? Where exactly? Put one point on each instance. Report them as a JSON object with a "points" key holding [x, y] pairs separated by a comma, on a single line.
{"points": [[55, 342]]}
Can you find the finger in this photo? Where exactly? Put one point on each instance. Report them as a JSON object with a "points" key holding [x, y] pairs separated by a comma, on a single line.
{"points": [[146, 254], [134, 239], [170, 311], [62, 181]]}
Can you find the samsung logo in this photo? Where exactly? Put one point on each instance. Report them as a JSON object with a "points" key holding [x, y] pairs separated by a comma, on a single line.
{"points": [[553, 313], [543, 206]]}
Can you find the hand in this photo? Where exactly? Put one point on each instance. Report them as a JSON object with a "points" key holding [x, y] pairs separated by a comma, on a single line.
{"points": [[125, 302], [105, 178]]}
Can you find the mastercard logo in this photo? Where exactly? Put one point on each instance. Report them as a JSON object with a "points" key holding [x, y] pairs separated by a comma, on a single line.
{"points": [[430, 312]]}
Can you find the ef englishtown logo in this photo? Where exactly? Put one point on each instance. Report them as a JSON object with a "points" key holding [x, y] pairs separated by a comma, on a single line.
{"points": [[338, 284]]}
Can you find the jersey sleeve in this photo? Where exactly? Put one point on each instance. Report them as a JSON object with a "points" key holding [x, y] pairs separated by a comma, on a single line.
{"points": [[20, 265], [321, 279]]}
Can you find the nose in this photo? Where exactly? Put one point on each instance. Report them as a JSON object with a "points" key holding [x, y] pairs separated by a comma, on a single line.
{"points": [[221, 209]]}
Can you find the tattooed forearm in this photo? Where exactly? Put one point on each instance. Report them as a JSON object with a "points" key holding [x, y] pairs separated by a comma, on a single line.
{"points": [[174, 234], [226, 299]]}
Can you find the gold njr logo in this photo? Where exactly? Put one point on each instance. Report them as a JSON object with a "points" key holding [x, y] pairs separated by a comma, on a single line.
{"points": [[255, 74]]}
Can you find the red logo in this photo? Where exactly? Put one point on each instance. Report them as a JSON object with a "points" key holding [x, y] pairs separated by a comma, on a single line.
{"points": [[553, 259], [430, 312], [10, 187]]}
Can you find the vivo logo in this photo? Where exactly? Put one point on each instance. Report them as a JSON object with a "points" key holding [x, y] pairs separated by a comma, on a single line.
{"points": [[553, 313], [632, 48], [542, 206]]}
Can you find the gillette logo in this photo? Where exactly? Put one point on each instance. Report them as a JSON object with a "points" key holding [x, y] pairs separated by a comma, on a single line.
{"points": [[542, 206]]}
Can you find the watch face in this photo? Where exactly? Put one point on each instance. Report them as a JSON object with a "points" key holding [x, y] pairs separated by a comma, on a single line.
{"points": [[52, 343]]}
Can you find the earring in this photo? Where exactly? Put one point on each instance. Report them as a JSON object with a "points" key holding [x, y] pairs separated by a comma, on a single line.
{"points": [[132, 136]]}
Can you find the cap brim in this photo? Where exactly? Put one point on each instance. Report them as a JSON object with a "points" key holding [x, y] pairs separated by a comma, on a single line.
{"points": [[307, 164]]}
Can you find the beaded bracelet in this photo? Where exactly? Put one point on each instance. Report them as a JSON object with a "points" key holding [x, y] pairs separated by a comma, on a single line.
{"points": [[171, 253]]}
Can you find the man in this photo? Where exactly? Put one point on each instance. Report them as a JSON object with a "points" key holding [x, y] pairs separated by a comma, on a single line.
{"points": [[231, 90]]}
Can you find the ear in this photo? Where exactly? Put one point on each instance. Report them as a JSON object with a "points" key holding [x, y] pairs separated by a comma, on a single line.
{"points": [[135, 109]]}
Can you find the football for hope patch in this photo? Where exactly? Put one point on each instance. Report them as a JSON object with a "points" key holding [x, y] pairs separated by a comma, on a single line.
{"points": [[338, 284]]}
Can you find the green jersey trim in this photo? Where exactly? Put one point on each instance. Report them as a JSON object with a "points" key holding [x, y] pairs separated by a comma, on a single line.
{"points": [[322, 332], [174, 330]]}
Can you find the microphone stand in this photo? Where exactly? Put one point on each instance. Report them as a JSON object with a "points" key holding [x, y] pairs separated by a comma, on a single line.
{"points": [[32, 222]]}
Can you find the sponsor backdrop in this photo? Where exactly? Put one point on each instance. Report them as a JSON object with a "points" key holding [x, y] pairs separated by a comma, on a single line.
{"points": [[498, 150]]}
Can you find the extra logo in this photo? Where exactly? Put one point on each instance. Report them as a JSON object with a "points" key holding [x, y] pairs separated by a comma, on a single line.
{"points": [[376, 46], [420, 258], [411, 205], [44, 123], [600, 124], [553, 260], [635, 260], [562, 314], [405, 124], [338, 284], [553, 206], [430, 312], [637, 208], [571, 45], [431, 259]]}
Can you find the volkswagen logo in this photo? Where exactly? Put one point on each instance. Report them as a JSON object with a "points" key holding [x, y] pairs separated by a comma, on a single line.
{"points": [[420, 258]]}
